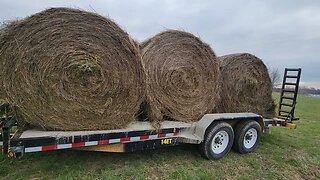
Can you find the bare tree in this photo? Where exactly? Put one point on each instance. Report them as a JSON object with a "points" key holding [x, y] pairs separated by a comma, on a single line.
{"points": [[274, 76]]}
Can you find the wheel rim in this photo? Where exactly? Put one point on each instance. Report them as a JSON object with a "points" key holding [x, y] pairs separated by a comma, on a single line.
{"points": [[250, 138], [220, 142]]}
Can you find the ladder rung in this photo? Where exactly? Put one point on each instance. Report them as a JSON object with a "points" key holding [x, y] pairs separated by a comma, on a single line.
{"points": [[289, 118], [284, 104], [285, 111], [293, 69], [287, 90], [283, 116], [285, 97], [286, 83], [291, 76]]}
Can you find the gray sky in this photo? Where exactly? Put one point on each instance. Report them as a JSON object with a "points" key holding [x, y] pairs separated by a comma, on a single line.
{"points": [[283, 33]]}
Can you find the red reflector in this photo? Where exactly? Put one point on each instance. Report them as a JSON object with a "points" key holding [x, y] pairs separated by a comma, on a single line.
{"points": [[76, 145], [144, 137], [161, 135], [49, 148], [103, 142], [124, 139]]}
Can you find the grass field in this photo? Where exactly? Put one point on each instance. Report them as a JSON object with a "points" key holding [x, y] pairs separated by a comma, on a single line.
{"points": [[283, 154]]}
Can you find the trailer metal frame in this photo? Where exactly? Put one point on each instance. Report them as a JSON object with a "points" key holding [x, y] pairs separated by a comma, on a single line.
{"points": [[137, 137]]}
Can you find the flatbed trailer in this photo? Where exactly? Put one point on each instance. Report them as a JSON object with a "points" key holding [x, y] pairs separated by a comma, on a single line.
{"points": [[215, 134]]}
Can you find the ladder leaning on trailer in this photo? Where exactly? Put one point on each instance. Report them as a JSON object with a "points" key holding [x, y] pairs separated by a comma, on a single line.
{"points": [[288, 99]]}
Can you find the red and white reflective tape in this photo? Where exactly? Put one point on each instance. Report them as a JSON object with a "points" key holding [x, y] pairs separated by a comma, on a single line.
{"points": [[100, 142], [275, 125]]}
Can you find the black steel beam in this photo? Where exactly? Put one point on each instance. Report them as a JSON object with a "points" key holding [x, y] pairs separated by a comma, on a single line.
{"points": [[8, 124]]}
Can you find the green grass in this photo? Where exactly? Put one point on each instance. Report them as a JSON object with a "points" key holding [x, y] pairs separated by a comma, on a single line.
{"points": [[283, 154]]}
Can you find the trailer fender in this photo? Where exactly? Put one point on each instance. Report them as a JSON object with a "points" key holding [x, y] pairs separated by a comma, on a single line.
{"points": [[231, 118]]}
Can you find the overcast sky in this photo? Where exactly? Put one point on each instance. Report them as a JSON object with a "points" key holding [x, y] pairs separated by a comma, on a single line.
{"points": [[283, 33]]}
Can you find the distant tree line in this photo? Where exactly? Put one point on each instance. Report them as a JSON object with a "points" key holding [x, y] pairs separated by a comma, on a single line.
{"points": [[276, 83], [302, 90]]}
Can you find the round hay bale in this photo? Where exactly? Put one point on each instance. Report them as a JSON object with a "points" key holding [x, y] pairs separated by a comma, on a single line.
{"points": [[245, 85], [68, 69], [182, 74]]}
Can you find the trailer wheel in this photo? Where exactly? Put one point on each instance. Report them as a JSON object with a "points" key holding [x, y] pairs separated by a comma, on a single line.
{"points": [[247, 136], [217, 141]]}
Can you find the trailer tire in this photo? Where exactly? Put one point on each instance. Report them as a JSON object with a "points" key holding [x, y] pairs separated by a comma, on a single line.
{"points": [[247, 136], [217, 141]]}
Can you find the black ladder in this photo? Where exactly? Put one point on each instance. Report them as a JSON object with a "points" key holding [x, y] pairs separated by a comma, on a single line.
{"points": [[289, 92]]}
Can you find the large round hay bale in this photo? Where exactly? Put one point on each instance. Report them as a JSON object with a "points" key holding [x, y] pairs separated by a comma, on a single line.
{"points": [[245, 85], [182, 74], [69, 69]]}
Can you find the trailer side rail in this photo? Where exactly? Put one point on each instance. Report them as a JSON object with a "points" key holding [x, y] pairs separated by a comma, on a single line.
{"points": [[151, 139]]}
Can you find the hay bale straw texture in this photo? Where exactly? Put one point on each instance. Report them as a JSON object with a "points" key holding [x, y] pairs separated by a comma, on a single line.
{"points": [[245, 85], [68, 69], [182, 74]]}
